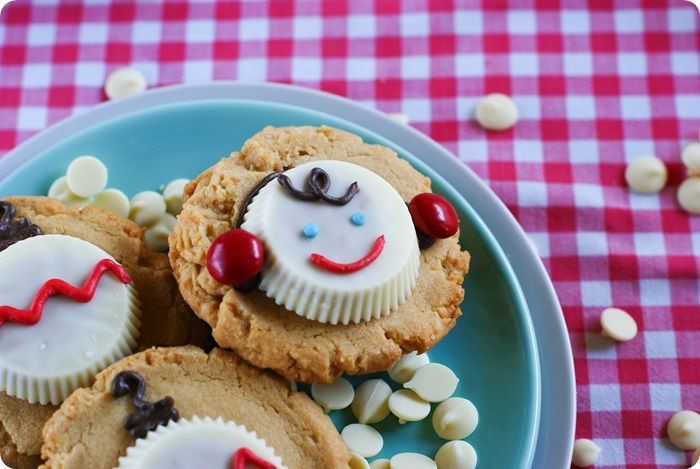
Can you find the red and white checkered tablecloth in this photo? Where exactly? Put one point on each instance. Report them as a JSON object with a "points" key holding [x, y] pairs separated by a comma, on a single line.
{"points": [[596, 82]]}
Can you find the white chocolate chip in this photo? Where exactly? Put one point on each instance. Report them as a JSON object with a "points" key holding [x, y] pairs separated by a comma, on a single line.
{"points": [[113, 200], [407, 406], [335, 396], [371, 402], [380, 464], [456, 418], [689, 195], [173, 195], [691, 158], [412, 461], [696, 457], [684, 430], [618, 325], [407, 365], [156, 237], [362, 439], [456, 455], [496, 111], [59, 190], [585, 452], [358, 462], [147, 208], [400, 117], [86, 176], [646, 174], [433, 382], [124, 82]]}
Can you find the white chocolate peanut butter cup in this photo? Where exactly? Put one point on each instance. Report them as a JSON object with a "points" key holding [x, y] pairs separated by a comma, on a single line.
{"points": [[204, 443], [296, 231], [72, 341]]}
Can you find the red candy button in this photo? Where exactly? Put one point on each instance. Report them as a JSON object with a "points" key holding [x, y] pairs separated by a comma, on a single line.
{"points": [[235, 257], [433, 215]]}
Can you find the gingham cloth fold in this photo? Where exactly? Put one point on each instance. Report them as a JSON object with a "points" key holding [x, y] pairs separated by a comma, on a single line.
{"points": [[597, 83]]}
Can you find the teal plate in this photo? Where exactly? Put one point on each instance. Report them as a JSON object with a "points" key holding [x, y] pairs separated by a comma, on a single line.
{"points": [[492, 349]]}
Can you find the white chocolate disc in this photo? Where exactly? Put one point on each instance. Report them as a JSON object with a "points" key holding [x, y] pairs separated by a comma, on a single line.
{"points": [[496, 111], [86, 176], [380, 464], [156, 237], [371, 402], [147, 208], [689, 195], [407, 406], [362, 439], [455, 418], [585, 453], [113, 200], [412, 461], [301, 286], [696, 457], [407, 366], [201, 443], [72, 341], [334, 396], [59, 190], [456, 455], [433, 382], [124, 82], [684, 429], [618, 324], [646, 174], [173, 193], [357, 461], [691, 158]]}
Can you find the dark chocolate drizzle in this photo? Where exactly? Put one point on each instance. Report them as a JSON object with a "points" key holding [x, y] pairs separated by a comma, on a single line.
{"points": [[12, 232], [148, 415], [317, 185], [249, 198]]}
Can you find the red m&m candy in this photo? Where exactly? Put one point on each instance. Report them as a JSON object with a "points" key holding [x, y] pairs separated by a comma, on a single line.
{"points": [[433, 215], [235, 257]]}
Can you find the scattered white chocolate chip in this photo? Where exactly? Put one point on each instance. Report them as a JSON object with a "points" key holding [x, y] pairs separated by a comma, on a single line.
{"points": [[407, 365], [684, 430], [173, 195], [400, 117], [407, 406], [380, 464], [456, 455], [696, 457], [433, 382], [412, 461], [59, 190], [646, 174], [618, 325], [335, 396], [124, 82], [496, 111], [585, 452], [691, 158], [689, 195], [113, 200], [358, 462], [86, 176], [371, 402], [156, 237], [456, 418], [147, 208], [362, 439]]}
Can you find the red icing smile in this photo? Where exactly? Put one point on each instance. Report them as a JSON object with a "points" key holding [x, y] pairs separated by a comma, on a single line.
{"points": [[244, 456], [338, 268]]}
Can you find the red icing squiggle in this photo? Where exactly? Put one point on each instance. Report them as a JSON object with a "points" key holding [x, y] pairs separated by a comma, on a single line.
{"points": [[338, 268], [60, 287], [244, 456]]}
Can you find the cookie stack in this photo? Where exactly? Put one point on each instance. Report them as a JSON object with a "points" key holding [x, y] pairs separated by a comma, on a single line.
{"points": [[307, 255]]}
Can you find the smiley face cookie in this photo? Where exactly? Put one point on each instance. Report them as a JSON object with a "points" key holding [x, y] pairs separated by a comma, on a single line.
{"points": [[315, 254], [79, 291], [179, 404]]}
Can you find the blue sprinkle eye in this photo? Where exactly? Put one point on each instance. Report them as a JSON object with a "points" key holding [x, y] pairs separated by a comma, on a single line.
{"points": [[358, 218], [310, 230]]}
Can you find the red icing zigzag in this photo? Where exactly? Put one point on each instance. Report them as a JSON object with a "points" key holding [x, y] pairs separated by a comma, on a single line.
{"points": [[244, 456], [59, 287]]}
